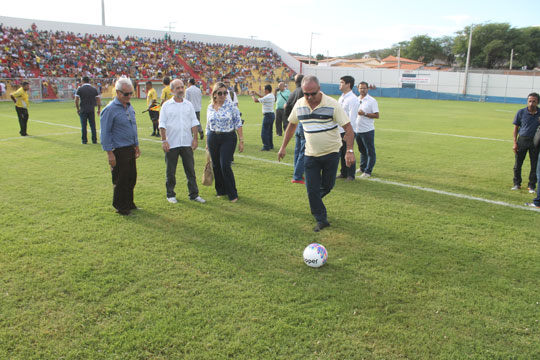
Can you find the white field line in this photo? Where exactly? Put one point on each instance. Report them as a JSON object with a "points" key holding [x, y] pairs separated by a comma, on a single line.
{"points": [[443, 134], [462, 196], [441, 192], [506, 111]]}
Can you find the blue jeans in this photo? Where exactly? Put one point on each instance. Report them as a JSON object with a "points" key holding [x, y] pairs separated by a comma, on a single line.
{"points": [[366, 146], [299, 151], [91, 118], [221, 148], [320, 179], [266, 131]]}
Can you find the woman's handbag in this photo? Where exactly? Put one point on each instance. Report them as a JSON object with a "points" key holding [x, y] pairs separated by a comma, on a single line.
{"points": [[208, 174]]}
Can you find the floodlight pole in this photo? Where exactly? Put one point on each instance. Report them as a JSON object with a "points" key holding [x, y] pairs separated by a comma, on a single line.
{"points": [[170, 27], [467, 62], [103, 12]]}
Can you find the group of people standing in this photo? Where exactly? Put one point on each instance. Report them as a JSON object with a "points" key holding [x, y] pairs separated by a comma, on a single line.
{"points": [[178, 127], [324, 128]]}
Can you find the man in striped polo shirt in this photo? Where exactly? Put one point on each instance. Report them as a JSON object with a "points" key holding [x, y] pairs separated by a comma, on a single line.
{"points": [[320, 116]]}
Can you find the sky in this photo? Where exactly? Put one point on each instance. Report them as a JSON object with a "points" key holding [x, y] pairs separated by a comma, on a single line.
{"points": [[331, 28]]}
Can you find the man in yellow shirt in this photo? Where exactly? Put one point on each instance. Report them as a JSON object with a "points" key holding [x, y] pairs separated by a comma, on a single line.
{"points": [[320, 116], [151, 101], [166, 92], [20, 98]]}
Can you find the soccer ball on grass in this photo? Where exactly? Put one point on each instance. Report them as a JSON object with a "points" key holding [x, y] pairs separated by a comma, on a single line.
{"points": [[315, 255]]}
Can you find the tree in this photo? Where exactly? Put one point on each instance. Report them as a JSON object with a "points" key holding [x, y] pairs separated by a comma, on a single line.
{"points": [[447, 55], [490, 47], [423, 48], [527, 47], [319, 57]]}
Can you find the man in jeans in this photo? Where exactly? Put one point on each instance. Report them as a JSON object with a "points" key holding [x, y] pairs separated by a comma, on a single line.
{"points": [[320, 116], [178, 126], [267, 102], [525, 125], [86, 99]]}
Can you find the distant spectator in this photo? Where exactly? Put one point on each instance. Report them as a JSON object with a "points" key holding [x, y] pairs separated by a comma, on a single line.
{"points": [[282, 95], [300, 146], [86, 99], [166, 91], [268, 116], [21, 100], [368, 111], [349, 102], [525, 125], [152, 107], [194, 96]]}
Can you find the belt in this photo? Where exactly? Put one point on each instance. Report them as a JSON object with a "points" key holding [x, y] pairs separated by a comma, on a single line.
{"points": [[223, 132]]}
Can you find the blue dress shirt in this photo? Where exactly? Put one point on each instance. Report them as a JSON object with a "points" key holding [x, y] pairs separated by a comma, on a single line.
{"points": [[118, 126]]}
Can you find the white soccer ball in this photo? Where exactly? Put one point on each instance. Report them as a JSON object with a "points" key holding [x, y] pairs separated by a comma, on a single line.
{"points": [[315, 255]]}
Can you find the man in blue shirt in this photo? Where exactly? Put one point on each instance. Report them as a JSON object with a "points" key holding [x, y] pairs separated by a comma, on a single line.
{"points": [[119, 140], [525, 125]]}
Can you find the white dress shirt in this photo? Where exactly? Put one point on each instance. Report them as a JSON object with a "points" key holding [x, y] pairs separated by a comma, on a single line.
{"points": [[368, 105], [349, 102], [177, 118]]}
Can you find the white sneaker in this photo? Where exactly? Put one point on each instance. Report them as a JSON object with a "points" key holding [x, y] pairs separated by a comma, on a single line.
{"points": [[358, 171], [515, 187], [365, 175], [531, 191], [199, 200], [172, 200]]}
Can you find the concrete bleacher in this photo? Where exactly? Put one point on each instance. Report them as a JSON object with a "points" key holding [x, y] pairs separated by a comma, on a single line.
{"points": [[61, 50]]}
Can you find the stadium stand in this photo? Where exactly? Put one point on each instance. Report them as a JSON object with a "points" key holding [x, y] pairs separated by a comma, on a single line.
{"points": [[50, 55]]}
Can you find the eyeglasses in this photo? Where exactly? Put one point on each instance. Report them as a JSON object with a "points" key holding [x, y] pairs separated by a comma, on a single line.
{"points": [[310, 94], [221, 93], [125, 93]]}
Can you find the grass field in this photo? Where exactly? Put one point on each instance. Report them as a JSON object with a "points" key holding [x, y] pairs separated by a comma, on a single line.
{"points": [[434, 258]]}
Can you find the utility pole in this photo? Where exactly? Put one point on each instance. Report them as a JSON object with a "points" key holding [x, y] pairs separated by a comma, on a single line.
{"points": [[467, 62], [511, 58]]}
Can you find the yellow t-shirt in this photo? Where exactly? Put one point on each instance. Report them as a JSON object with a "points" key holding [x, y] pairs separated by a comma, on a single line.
{"points": [[22, 98], [166, 93], [151, 96], [320, 125]]}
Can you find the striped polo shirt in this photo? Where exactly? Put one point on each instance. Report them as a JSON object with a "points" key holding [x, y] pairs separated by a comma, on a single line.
{"points": [[320, 125]]}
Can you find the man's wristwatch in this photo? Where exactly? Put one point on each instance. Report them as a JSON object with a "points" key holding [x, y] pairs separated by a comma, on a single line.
{"points": [[350, 150]]}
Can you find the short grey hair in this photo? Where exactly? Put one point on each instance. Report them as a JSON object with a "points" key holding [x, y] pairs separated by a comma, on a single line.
{"points": [[310, 78], [121, 82]]}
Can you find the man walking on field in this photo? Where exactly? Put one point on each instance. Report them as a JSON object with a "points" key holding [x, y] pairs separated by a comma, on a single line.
{"points": [[320, 116]]}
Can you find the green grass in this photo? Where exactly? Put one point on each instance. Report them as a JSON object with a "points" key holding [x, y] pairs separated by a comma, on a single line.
{"points": [[411, 274]]}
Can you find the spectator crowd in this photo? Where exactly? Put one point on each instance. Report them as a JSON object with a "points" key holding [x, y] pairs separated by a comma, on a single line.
{"points": [[47, 54]]}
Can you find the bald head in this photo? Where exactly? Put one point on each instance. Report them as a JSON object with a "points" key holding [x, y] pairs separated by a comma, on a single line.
{"points": [[177, 88]]}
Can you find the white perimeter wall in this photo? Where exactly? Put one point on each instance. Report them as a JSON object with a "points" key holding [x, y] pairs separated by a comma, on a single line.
{"points": [[483, 84]]}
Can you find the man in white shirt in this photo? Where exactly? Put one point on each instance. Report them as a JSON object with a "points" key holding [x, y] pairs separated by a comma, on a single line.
{"points": [[349, 102], [267, 102], [194, 96], [178, 127], [368, 111], [231, 94]]}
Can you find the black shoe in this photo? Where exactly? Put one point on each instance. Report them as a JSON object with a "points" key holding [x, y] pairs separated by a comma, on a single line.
{"points": [[340, 176], [320, 226], [124, 212]]}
